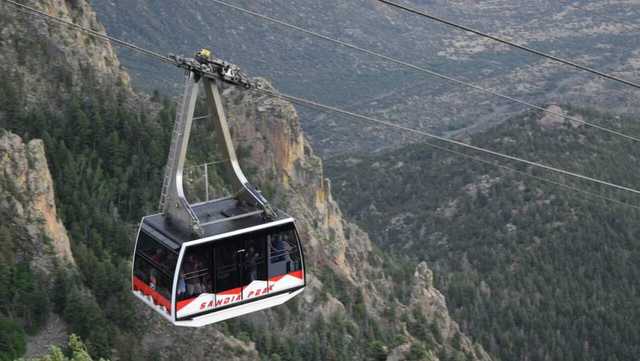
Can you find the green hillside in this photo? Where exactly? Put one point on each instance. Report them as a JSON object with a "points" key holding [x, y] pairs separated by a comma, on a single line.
{"points": [[531, 270]]}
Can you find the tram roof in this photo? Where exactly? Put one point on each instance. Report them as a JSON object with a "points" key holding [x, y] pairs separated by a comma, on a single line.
{"points": [[216, 217]]}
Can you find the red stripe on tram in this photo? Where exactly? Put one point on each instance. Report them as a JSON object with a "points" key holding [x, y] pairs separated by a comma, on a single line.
{"points": [[182, 304], [139, 285], [296, 274], [276, 278], [233, 291]]}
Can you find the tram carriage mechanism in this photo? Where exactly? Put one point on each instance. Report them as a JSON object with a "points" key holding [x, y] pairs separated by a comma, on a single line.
{"points": [[198, 264]]}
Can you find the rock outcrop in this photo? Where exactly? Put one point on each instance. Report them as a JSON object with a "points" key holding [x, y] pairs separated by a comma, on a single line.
{"points": [[553, 121], [431, 303], [170, 343], [27, 201]]}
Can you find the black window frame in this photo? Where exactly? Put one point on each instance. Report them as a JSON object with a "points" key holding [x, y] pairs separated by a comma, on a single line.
{"points": [[294, 254], [162, 270], [209, 272]]}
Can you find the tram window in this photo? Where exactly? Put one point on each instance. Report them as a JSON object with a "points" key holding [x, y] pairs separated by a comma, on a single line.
{"points": [[154, 265], [157, 253], [284, 254], [194, 277], [227, 267], [255, 260], [153, 276]]}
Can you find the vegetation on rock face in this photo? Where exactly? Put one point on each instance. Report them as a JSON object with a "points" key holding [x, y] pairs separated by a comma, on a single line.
{"points": [[530, 270], [12, 340]]}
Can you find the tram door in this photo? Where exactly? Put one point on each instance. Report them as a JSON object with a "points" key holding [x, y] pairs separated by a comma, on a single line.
{"points": [[240, 269]]}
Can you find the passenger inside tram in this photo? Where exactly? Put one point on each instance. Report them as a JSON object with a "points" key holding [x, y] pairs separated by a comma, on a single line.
{"points": [[252, 264], [153, 281], [182, 285], [280, 261], [159, 256], [191, 268]]}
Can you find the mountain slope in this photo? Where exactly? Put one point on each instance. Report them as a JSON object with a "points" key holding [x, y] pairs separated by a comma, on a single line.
{"points": [[532, 270], [106, 157], [44, 63]]}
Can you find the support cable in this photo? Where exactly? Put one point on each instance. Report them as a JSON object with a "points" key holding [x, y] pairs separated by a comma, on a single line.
{"points": [[327, 108], [167, 59]]}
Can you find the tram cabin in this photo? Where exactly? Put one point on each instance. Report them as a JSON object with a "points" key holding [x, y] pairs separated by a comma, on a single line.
{"points": [[242, 263]]}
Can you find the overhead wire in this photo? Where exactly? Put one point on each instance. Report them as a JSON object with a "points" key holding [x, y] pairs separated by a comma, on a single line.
{"points": [[323, 107], [425, 70], [502, 40], [167, 59]]}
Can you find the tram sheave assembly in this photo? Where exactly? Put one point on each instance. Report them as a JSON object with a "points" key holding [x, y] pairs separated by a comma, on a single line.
{"points": [[198, 264]]}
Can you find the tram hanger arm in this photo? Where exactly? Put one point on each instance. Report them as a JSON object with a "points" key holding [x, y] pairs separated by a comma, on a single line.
{"points": [[210, 70]]}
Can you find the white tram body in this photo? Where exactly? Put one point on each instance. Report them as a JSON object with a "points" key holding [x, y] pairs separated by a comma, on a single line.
{"points": [[195, 282]]}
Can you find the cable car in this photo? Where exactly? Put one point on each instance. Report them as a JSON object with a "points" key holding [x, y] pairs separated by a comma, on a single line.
{"points": [[198, 264]]}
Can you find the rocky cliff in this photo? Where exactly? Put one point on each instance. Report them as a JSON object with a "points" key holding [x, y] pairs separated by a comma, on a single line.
{"points": [[333, 242], [38, 237], [27, 202], [42, 66]]}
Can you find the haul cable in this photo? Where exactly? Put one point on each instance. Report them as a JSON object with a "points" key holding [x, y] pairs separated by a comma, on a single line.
{"points": [[425, 70], [331, 109]]}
